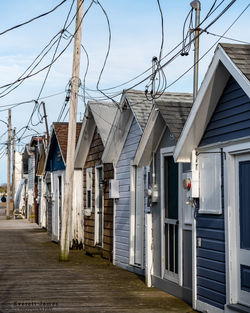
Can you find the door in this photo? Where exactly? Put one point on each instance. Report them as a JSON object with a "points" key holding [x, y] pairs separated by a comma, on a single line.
{"points": [[137, 216], [243, 229], [170, 220], [99, 209], [49, 206], [59, 204]]}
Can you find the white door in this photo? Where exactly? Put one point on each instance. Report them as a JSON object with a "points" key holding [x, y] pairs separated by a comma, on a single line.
{"points": [[243, 227], [99, 206], [137, 216]]}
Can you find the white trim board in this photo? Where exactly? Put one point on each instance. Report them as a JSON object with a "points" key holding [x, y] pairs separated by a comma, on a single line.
{"points": [[117, 136], [151, 137]]}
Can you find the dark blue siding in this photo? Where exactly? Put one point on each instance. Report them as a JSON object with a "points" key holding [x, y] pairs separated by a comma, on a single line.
{"points": [[231, 118], [211, 275], [211, 269], [55, 161]]}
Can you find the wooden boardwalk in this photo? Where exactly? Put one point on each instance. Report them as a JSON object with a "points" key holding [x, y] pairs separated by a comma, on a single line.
{"points": [[33, 280]]}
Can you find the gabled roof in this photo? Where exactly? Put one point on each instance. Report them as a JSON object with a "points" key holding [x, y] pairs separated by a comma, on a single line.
{"points": [[175, 108], [133, 104], [240, 56], [61, 133], [103, 114], [229, 60], [139, 104], [97, 114], [170, 110]]}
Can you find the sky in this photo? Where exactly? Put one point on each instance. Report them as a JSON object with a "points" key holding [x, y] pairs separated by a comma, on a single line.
{"points": [[136, 36]]}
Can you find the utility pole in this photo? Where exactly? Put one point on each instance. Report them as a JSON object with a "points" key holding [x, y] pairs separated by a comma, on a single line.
{"points": [[46, 123], [197, 6], [8, 166], [13, 164], [69, 175]]}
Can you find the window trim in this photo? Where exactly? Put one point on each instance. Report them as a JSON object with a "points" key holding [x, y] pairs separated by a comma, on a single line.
{"points": [[212, 153], [89, 187]]}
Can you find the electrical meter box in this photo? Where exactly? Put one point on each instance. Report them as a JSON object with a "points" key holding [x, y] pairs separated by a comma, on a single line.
{"points": [[187, 198], [114, 189]]}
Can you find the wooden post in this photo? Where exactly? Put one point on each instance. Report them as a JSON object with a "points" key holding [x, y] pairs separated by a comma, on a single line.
{"points": [[46, 123], [13, 165], [8, 166], [69, 176]]}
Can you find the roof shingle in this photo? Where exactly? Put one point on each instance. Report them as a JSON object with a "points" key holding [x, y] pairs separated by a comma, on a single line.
{"points": [[175, 108], [61, 132], [240, 56]]}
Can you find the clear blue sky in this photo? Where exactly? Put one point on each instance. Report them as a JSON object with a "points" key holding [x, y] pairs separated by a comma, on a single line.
{"points": [[136, 38]]}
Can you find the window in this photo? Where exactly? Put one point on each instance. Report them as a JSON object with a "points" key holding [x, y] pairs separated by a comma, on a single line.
{"points": [[210, 183], [89, 188]]}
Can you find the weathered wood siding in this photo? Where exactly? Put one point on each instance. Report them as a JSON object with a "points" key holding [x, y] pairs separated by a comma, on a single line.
{"points": [[231, 118], [94, 159], [122, 216]]}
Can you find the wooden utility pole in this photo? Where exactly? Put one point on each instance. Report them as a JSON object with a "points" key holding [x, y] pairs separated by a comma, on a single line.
{"points": [[8, 166], [197, 6], [13, 164], [46, 123], [69, 175]]}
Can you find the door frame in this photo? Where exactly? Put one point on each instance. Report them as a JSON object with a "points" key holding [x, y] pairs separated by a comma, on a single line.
{"points": [[96, 236], [178, 278], [232, 152]]}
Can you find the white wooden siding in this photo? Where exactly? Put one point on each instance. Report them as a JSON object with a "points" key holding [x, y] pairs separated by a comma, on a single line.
{"points": [[122, 217]]}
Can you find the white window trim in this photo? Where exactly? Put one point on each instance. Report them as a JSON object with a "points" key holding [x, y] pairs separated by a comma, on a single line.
{"points": [[89, 208], [178, 278], [217, 152]]}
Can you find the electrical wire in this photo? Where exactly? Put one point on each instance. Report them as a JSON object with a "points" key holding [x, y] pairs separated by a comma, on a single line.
{"points": [[33, 19], [178, 53], [56, 58], [54, 54], [106, 56], [162, 29], [228, 38], [231, 25]]}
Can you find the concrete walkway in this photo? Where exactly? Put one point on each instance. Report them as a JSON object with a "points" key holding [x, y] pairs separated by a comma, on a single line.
{"points": [[33, 280]]}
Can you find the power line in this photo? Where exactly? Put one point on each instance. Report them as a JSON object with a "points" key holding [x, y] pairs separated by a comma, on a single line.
{"points": [[53, 57], [162, 29], [228, 38], [33, 19], [222, 36], [205, 52], [106, 56], [56, 58]]}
